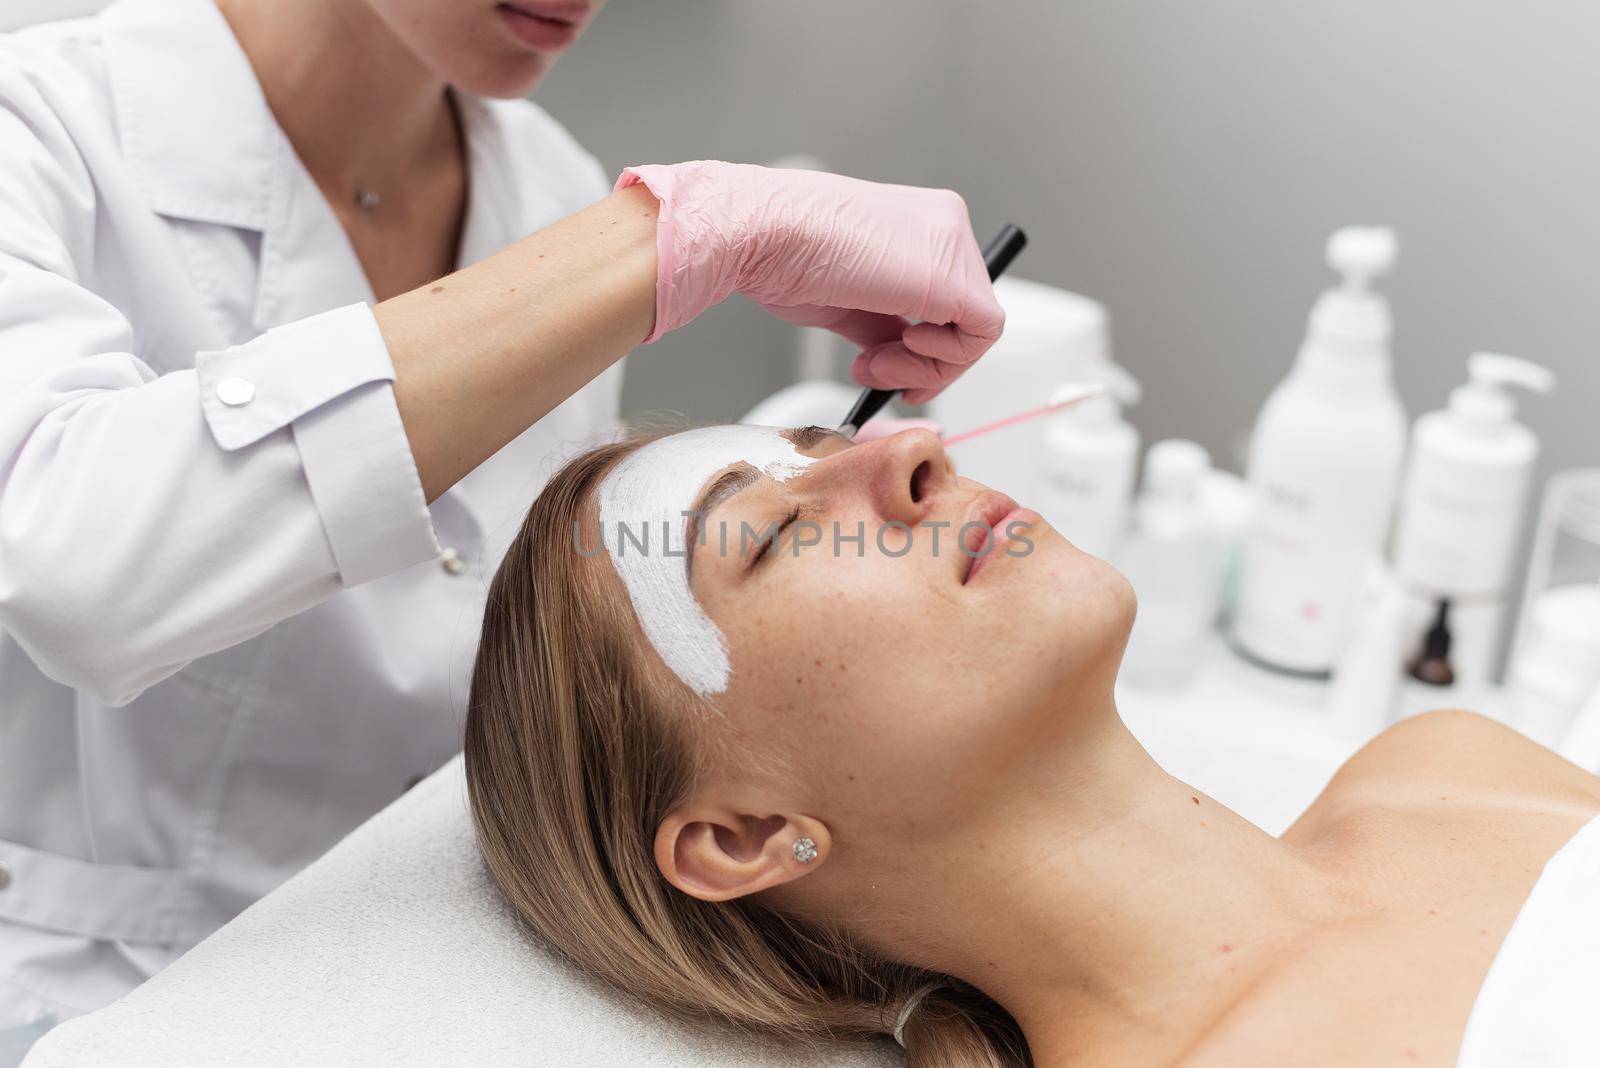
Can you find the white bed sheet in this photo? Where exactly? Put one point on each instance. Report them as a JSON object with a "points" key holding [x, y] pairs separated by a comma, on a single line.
{"points": [[395, 947]]}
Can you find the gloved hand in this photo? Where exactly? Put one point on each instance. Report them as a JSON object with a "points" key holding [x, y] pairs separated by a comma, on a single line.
{"points": [[817, 249]]}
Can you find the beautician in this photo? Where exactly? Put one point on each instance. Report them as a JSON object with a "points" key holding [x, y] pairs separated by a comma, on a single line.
{"points": [[298, 307]]}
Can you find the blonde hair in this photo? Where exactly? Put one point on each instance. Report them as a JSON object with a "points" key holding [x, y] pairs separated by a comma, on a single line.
{"points": [[575, 752]]}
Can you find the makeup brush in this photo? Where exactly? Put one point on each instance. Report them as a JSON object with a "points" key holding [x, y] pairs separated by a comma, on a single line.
{"points": [[1064, 397], [997, 256]]}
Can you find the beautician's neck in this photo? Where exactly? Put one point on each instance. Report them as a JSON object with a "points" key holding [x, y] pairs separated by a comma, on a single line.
{"points": [[1114, 907], [359, 107]]}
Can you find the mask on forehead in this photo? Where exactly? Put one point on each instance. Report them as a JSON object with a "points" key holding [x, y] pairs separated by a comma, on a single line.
{"points": [[651, 491]]}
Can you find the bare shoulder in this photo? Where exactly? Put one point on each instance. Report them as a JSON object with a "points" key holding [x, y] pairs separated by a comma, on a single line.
{"points": [[1453, 755], [1460, 746], [1440, 828]]}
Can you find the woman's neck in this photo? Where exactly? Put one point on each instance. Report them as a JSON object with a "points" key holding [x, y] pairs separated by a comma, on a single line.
{"points": [[1109, 905], [360, 108]]}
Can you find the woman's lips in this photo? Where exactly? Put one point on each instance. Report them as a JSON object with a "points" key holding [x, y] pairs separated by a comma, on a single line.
{"points": [[986, 530], [544, 27]]}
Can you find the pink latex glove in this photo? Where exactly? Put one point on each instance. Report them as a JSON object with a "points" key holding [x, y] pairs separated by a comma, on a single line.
{"points": [[818, 249]]}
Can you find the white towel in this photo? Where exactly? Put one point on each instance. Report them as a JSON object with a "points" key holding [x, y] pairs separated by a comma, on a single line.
{"points": [[1539, 1007], [395, 948]]}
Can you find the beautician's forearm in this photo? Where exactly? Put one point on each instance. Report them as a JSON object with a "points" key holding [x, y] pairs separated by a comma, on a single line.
{"points": [[482, 354]]}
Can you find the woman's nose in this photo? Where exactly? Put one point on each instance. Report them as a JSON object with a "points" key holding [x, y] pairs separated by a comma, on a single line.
{"points": [[905, 474]]}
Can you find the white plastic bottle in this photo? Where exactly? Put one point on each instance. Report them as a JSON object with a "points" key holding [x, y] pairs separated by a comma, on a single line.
{"points": [[1175, 558], [1461, 509], [1367, 680], [1325, 463], [1556, 666], [1582, 742], [1051, 336], [1089, 455]]}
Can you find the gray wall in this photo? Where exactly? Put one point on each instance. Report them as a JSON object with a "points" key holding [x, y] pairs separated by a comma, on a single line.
{"points": [[1180, 161]]}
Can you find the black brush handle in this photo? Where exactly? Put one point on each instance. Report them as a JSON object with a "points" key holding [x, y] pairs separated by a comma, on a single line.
{"points": [[997, 256]]}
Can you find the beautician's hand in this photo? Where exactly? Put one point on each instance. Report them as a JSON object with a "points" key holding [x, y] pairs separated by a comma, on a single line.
{"points": [[817, 249]]}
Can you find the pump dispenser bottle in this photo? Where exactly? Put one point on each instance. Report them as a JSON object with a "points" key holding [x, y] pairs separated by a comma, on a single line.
{"points": [[1089, 456], [1325, 462], [1175, 557], [1461, 510]]}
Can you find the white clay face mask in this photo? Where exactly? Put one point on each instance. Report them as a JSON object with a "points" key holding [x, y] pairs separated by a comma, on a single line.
{"points": [[648, 494]]}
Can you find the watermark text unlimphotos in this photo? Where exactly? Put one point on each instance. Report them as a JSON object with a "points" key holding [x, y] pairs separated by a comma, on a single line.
{"points": [[892, 538]]}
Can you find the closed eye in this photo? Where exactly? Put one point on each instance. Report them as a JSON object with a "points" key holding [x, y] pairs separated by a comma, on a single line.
{"points": [[765, 548]]}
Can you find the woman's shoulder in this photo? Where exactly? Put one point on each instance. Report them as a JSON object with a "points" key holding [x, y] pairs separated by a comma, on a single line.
{"points": [[1457, 745], [1454, 762], [1435, 831]]}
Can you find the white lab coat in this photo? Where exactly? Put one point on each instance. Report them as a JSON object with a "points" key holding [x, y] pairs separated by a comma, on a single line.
{"points": [[229, 632]]}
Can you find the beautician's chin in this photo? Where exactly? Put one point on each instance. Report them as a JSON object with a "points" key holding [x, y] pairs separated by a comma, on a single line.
{"points": [[501, 51]]}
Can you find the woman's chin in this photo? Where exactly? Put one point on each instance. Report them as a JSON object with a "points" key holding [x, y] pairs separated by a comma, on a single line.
{"points": [[1083, 603], [509, 76]]}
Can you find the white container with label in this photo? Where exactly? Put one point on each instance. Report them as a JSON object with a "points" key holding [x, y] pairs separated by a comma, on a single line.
{"points": [[1089, 456], [1325, 463]]}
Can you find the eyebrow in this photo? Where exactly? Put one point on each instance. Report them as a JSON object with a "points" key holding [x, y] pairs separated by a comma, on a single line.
{"points": [[740, 478], [727, 485], [730, 483], [804, 437]]}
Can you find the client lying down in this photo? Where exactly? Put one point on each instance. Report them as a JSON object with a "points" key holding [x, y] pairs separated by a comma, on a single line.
{"points": [[862, 778]]}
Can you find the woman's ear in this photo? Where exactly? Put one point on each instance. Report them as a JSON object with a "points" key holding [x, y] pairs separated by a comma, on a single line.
{"points": [[714, 853]]}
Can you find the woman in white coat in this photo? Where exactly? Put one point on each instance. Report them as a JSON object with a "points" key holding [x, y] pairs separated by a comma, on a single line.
{"points": [[298, 303]]}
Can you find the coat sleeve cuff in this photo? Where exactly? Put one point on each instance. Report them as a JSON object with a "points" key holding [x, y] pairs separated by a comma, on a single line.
{"points": [[330, 379], [263, 385]]}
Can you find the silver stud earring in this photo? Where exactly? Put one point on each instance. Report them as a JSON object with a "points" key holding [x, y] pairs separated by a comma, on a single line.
{"points": [[805, 850]]}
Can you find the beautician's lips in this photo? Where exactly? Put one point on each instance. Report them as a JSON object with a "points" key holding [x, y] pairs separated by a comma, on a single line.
{"points": [[545, 27], [996, 512]]}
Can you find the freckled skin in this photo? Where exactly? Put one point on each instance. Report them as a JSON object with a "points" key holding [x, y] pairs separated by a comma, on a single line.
{"points": [[931, 718], [952, 687]]}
